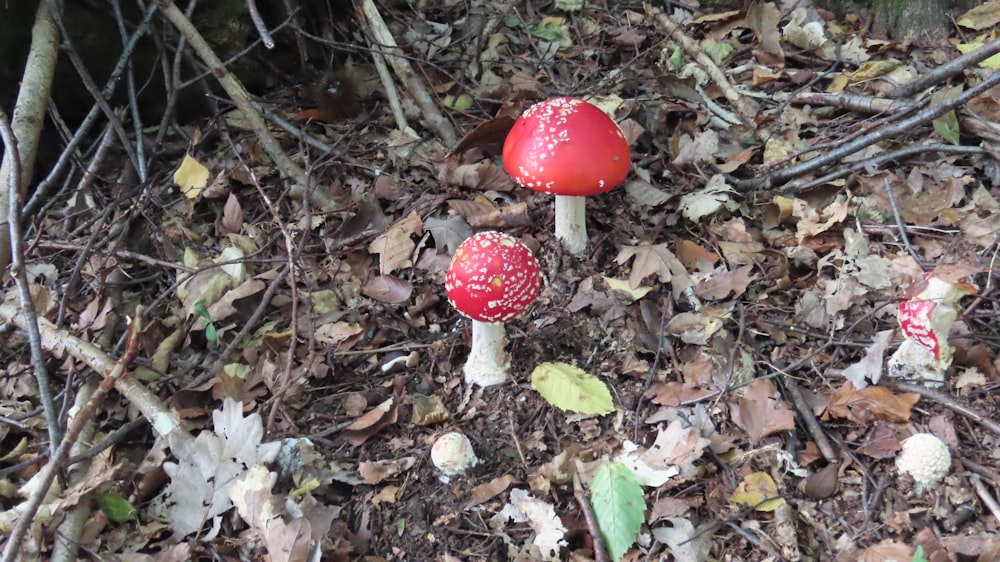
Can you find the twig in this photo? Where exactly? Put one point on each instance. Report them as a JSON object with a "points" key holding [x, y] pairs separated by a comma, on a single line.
{"points": [[87, 80], [945, 401], [852, 102], [12, 161], [946, 70], [76, 426], [876, 161], [812, 424], [690, 46], [67, 536], [902, 225], [600, 554], [163, 420], [259, 25], [401, 66], [900, 128], [984, 494]]}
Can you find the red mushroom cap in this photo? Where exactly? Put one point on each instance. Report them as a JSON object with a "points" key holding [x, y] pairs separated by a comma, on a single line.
{"points": [[566, 146], [492, 278]]}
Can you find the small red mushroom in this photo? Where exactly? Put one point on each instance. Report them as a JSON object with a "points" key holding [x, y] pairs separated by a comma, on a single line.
{"points": [[570, 148], [492, 279]]}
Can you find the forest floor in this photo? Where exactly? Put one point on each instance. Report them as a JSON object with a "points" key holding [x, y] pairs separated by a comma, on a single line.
{"points": [[740, 304]]}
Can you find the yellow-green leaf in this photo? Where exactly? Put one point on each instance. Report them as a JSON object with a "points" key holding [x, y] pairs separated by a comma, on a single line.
{"points": [[758, 491], [572, 389], [991, 62], [191, 177], [624, 286]]}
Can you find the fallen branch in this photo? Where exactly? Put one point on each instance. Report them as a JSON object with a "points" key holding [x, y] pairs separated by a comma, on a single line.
{"points": [[945, 401], [28, 114], [946, 70], [57, 341], [901, 128], [428, 107], [743, 107]]}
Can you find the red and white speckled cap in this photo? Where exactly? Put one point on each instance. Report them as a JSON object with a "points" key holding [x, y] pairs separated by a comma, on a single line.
{"points": [[493, 277], [566, 146]]}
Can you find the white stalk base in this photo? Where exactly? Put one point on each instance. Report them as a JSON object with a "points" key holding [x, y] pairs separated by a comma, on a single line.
{"points": [[488, 362], [571, 223]]}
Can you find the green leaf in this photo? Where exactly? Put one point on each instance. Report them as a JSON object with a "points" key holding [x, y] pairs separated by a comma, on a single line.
{"points": [[619, 507], [115, 506], [919, 555], [947, 127], [571, 389], [201, 310]]}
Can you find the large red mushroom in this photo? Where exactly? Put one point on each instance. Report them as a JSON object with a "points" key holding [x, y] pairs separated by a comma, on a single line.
{"points": [[570, 148], [492, 279]]}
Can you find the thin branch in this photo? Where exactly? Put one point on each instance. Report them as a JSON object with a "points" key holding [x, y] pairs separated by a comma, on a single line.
{"points": [[901, 128], [898, 216], [12, 162], [945, 401], [29, 112], [241, 98], [946, 70]]}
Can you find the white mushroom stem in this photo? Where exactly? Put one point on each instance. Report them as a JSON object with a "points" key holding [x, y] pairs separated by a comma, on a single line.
{"points": [[571, 222], [488, 362]]}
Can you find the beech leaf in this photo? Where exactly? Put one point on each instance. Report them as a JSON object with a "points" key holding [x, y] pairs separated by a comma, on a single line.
{"points": [[572, 389], [619, 506]]}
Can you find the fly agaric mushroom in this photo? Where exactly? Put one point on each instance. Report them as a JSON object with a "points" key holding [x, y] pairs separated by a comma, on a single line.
{"points": [[493, 278], [570, 148]]}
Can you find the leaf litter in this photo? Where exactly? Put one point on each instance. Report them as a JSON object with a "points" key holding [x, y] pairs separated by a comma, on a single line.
{"points": [[675, 335]]}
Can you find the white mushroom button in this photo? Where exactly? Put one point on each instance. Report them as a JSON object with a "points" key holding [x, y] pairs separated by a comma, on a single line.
{"points": [[925, 458], [452, 454]]}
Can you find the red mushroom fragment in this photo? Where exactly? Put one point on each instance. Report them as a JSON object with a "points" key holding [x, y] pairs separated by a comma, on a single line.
{"points": [[493, 278], [926, 316], [570, 148]]}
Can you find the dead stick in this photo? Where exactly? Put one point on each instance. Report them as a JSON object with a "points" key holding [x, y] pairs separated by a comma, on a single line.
{"points": [[403, 69], [945, 401], [600, 555]]}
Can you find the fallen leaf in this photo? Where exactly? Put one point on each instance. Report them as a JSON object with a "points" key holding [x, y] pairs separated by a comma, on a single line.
{"points": [[758, 492], [867, 405], [394, 246], [759, 413], [191, 177]]}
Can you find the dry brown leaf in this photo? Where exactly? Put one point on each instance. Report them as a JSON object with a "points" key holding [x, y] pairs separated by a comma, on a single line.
{"points": [[486, 492], [760, 413], [675, 445], [373, 472], [388, 288], [649, 260], [394, 246], [371, 423], [723, 282], [867, 405], [691, 254]]}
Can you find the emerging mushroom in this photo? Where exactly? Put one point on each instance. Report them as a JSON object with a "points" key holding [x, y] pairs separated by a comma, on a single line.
{"points": [[493, 278], [452, 454], [570, 148], [925, 458]]}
